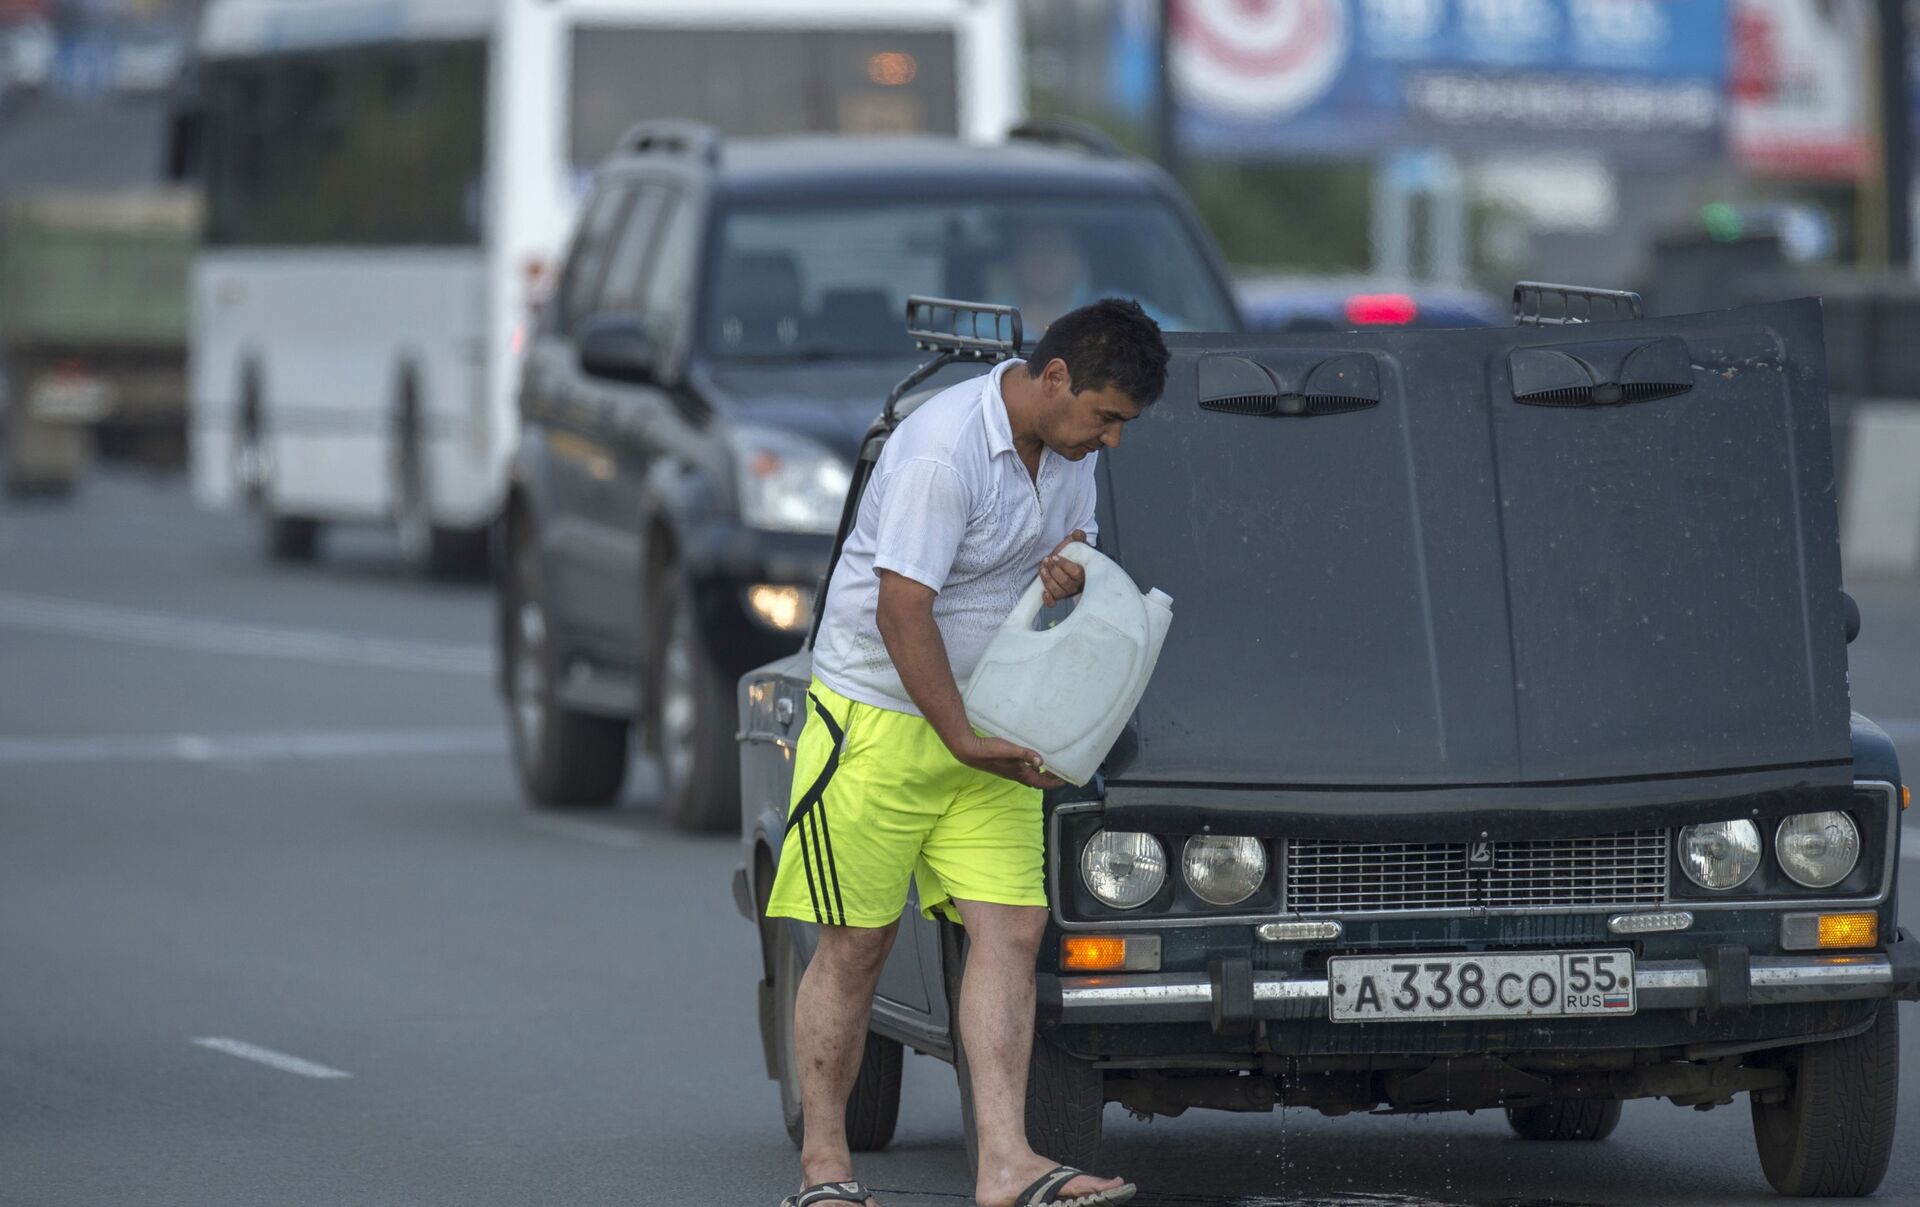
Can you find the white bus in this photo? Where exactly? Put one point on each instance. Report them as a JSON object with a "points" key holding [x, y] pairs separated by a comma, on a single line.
{"points": [[390, 181]]}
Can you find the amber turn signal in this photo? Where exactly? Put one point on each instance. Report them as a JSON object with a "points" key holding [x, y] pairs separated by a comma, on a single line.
{"points": [[1825, 932], [1110, 953], [1849, 930]]}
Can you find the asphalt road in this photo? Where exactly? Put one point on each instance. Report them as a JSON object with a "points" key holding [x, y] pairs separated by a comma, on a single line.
{"points": [[276, 929]]}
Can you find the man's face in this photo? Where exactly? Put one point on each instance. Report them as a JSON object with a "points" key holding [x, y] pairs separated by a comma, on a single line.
{"points": [[1084, 422]]}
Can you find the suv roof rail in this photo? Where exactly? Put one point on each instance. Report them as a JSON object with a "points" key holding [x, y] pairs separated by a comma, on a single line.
{"points": [[946, 325], [1056, 131], [1531, 308], [951, 330], [672, 136]]}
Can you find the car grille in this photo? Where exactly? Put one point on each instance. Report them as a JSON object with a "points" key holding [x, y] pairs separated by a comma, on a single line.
{"points": [[1324, 877]]}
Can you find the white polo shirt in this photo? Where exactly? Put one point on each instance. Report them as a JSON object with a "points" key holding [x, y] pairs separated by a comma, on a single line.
{"points": [[950, 505]]}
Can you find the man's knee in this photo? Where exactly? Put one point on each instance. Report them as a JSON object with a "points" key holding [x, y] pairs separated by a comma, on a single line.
{"points": [[1014, 931], [856, 951]]}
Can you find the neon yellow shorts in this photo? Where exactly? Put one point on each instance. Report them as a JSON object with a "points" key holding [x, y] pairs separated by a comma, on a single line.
{"points": [[877, 798]]}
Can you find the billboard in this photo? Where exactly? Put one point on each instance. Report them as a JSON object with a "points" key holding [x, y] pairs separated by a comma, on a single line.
{"points": [[1799, 88], [1640, 80]]}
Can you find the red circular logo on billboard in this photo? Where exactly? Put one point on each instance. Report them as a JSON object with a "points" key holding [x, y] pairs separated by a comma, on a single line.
{"points": [[1258, 58]]}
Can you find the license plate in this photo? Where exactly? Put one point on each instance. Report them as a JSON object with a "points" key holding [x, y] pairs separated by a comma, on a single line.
{"points": [[1366, 989]]}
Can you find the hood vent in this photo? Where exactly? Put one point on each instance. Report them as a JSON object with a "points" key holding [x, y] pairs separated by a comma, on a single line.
{"points": [[1600, 374], [1289, 383]]}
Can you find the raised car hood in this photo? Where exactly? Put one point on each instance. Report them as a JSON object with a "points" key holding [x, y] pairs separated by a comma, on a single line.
{"points": [[1448, 586]]}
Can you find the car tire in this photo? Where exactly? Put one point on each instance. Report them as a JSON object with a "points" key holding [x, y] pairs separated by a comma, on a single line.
{"points": [[690, 714], [1832, 1134], [564, 757], [1066, 1095], [873, 1108], [1566, 1119]]}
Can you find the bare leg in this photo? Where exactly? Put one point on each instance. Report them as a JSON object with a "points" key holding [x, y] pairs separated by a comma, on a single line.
{"points": [[996, 1024], [829, 1034]]}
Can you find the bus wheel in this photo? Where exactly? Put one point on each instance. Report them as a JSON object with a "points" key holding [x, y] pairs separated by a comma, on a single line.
{"points": [[435, 551], [288, 538], [564, 757]]}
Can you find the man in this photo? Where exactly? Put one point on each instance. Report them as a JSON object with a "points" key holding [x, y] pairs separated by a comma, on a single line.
{"points": [[1049, 275], [975, 493]]}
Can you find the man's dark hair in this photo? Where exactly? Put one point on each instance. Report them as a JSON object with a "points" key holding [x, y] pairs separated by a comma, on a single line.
{"points": [[1109, 343]]}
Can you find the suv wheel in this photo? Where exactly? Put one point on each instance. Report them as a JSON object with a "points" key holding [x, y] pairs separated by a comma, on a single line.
{"points": [[1566, 1119], [1066, 1096], [564, 757], [690, 715], [874, 1106], [1833, 1132]]}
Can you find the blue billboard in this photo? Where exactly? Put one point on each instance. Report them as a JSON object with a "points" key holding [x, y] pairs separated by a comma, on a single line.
{"points": [[1640, 80]]}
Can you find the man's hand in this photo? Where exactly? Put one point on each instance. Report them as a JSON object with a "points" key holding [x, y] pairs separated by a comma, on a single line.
{"points": [[1003, 758], [1059, 578]]}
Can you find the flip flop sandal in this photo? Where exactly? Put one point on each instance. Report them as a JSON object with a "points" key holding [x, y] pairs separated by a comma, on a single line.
{"points": [[1046, 1191], [834, 1192]]}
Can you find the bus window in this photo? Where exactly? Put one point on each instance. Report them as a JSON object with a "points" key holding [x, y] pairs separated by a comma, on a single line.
{"points": [[368, 146], [754, 82]]}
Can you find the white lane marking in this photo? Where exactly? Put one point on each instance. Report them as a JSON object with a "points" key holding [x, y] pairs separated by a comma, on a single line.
{"points": [[77, 618], [251, 747], [587, 831], [267, 1056]]}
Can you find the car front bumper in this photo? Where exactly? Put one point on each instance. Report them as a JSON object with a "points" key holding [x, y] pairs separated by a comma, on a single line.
{"points": [[1731, 980]]}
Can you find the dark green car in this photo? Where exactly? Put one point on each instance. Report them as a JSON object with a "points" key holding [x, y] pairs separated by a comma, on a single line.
{"points": [[1500, 754]]}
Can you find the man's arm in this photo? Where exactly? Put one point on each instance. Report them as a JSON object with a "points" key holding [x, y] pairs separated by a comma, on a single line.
{"points": [[905, 616]]}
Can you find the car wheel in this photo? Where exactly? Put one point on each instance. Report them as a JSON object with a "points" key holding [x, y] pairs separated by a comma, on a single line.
{"points": [[1566, 1119], [874, 1106], [1832, 1133], [690, 715], [564, 757], [1066, 1096]]}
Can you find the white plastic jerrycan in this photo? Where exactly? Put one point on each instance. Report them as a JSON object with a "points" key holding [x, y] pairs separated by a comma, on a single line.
{"points": [[1067, 691]]}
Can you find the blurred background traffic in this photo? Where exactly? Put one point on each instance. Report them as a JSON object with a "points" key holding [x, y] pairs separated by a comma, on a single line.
{"points": [[364, 362], [1359, 162]]}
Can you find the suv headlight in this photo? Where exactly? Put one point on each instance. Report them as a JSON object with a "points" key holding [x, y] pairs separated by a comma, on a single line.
{"points": [[788, 483], [1721, 854], [1123, 869], [1223, 870], [1817, 850]]}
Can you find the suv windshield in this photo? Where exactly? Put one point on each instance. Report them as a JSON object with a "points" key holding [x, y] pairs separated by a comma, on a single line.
{"points": [[820, 281]]}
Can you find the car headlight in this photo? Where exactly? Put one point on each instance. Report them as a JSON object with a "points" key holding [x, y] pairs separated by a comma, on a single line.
{"points": [[1817, 850], [1123, 869], [788, 483], [1223, 870], [1720, 854]]}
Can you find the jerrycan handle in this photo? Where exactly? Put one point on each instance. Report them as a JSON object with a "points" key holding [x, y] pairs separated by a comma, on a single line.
{"points": [[1080, 554]]}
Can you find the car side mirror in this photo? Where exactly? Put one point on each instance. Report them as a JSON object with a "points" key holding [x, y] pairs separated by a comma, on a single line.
{"points": [[619, 347], [1853, 616]]}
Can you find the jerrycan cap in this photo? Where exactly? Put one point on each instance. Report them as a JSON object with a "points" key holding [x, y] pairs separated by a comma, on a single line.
{"points": [[1160, 597]]}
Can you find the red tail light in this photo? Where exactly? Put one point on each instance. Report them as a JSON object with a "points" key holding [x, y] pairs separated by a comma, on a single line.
{"points": [[1381, 309]]}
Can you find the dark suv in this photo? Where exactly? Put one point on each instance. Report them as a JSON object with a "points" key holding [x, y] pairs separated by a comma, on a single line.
{"points": [[727, 326], [1499, 755]]}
